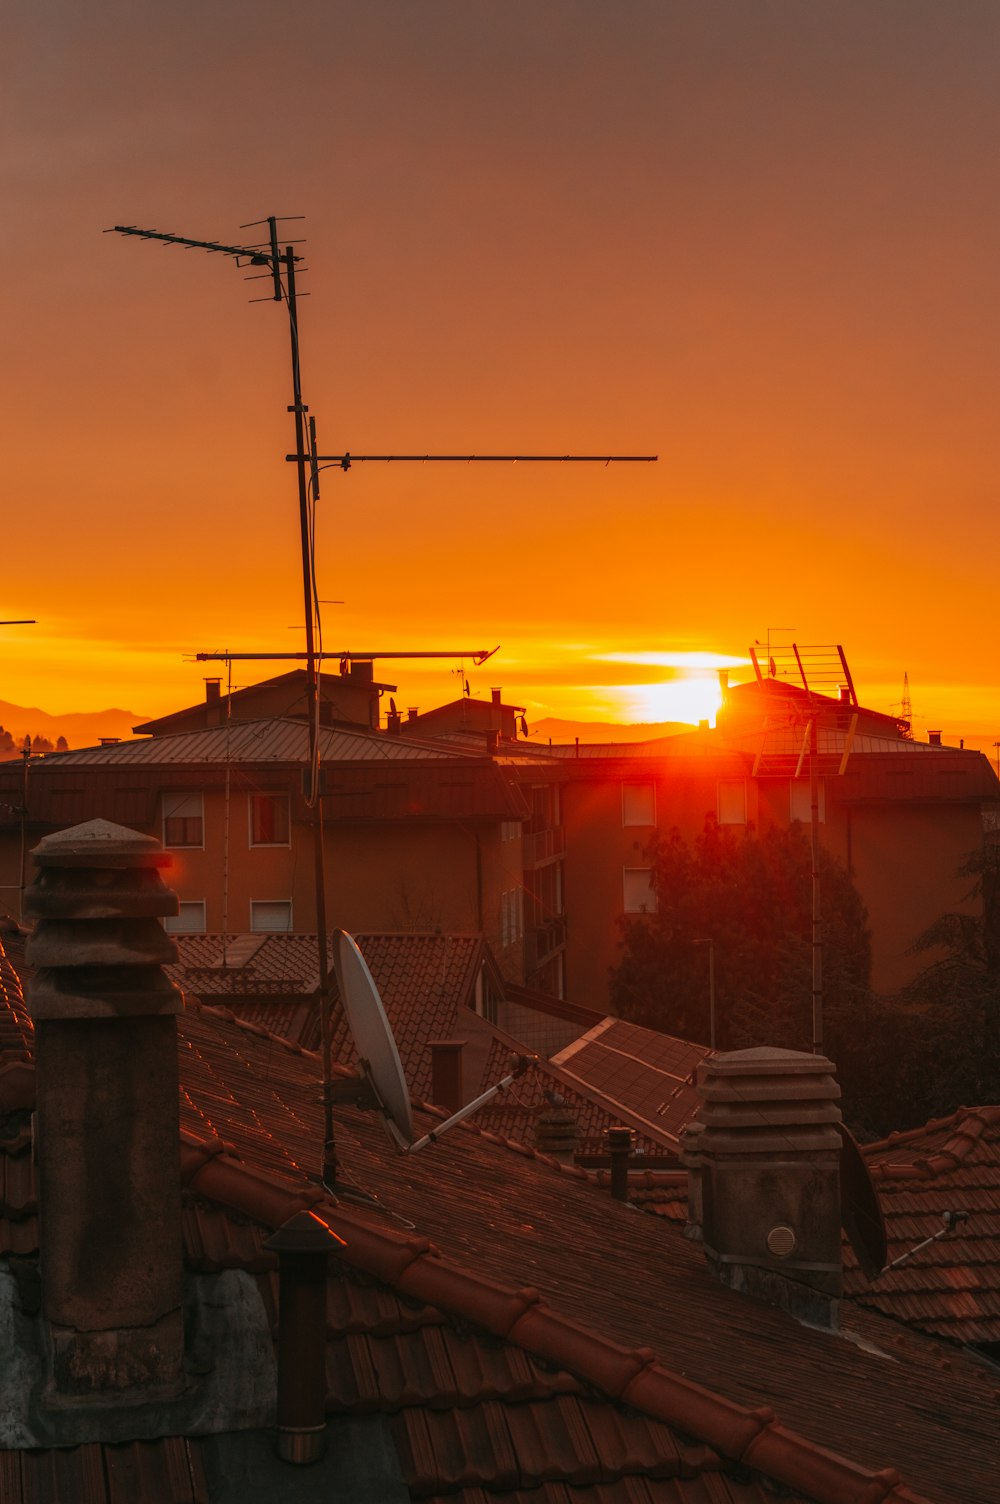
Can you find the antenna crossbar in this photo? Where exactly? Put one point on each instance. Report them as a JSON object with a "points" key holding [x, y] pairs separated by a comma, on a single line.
{"points": [[478, 655], [252, 253], [345, 461]]}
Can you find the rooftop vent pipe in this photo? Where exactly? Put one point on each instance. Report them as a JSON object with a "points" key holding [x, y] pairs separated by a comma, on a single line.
{"points": [[620, 1142], [303, 1246]]}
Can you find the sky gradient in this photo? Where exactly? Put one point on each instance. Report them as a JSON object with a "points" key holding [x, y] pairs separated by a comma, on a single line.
{"points": [[756, 237]]}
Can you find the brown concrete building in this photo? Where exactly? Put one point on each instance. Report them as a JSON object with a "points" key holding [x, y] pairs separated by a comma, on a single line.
{"points": [[902, 816], [416, 837]]}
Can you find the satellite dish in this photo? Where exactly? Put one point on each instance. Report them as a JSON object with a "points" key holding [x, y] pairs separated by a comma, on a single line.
{"points": [[380, 1062], [392, 705], [860, 1209], [383, 1084]]}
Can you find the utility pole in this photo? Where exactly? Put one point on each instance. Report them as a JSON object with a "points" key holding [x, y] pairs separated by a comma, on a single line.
{"points": [[711, 989], [817, 936], [279, 266]]}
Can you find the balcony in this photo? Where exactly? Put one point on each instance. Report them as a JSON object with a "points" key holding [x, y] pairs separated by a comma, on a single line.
{"points": [[543, 941], [541, 846]]}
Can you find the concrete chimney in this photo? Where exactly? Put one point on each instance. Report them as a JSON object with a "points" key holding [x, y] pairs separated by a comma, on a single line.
{"points": [[412, 713], [447, 1088], [934, 738], [690, 1158], [213, 702], [107, 1116], [556, 1131], [769, 1154]]}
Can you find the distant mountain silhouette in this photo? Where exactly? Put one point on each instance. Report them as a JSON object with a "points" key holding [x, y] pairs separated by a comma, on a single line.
{"points": [[80, 728], [604, 731]]}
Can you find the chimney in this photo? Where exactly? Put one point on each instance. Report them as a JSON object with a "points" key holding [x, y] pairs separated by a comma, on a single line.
{"points": [[556, 1130], [213, 702], [934, 738], [412, 713], [690, 1158], [446, 1073], [769, 1152], [393, 720], [496, 695], [107, 1116]]}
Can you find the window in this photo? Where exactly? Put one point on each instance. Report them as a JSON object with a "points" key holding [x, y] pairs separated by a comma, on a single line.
{"points": [[189, 920], [183, 820], [511, 916], [732, 802], [510, 830], [639, 897], [271, 916], [269, 821], [800, 801], [638, 804]]}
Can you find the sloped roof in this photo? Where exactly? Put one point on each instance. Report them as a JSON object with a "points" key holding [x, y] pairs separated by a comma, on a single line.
{"points": [[271, 740], [423, 979], [650, 1074], [427, 986], [951, 1287], [487, 1231]]}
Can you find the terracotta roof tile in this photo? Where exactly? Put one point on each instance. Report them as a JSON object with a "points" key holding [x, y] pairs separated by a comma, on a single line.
{"points": [[649, 1073], [952, 1286], [606, 1300]]}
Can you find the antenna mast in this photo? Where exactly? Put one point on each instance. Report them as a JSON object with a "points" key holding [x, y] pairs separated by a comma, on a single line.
{"points": [[280, 266]]}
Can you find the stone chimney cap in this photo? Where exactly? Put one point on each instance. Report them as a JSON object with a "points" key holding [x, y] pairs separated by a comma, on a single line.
{"points": [[777, 1061], [100, 843]]}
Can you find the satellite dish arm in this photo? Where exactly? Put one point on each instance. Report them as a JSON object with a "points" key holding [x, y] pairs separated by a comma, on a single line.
{"points": [[469, 1108]]}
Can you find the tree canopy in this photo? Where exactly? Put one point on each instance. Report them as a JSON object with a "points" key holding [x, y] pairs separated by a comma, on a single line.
{"points": [[752, 897]]}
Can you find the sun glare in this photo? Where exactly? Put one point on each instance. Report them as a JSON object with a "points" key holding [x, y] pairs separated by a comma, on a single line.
{"points": [[690, 698]]}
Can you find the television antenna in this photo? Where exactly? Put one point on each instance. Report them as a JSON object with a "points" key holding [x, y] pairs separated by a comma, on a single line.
{"points": [[381, 1085], [278, 265]]}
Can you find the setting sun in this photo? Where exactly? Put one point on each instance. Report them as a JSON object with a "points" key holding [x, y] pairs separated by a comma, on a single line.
{"points": [[690, 697]]}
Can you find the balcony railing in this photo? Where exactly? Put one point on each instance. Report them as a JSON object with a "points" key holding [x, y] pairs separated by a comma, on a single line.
{"points": [[543, 845], [543, 941]]}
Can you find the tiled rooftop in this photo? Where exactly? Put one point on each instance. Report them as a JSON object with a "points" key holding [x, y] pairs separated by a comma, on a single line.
{"points": [[648, 1073], [476, 1231], [427, 985], [273, 740], [952, 1286]]}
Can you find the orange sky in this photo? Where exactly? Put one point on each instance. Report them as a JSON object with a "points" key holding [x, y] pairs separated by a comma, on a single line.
{"points": [[759, 239]]}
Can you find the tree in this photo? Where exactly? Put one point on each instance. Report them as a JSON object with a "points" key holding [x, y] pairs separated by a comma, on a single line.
{"points": [[955, 1000], [752, 896]]}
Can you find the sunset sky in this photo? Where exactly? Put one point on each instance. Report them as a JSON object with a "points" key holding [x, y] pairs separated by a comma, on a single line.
{"points": [[759, 238]]}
